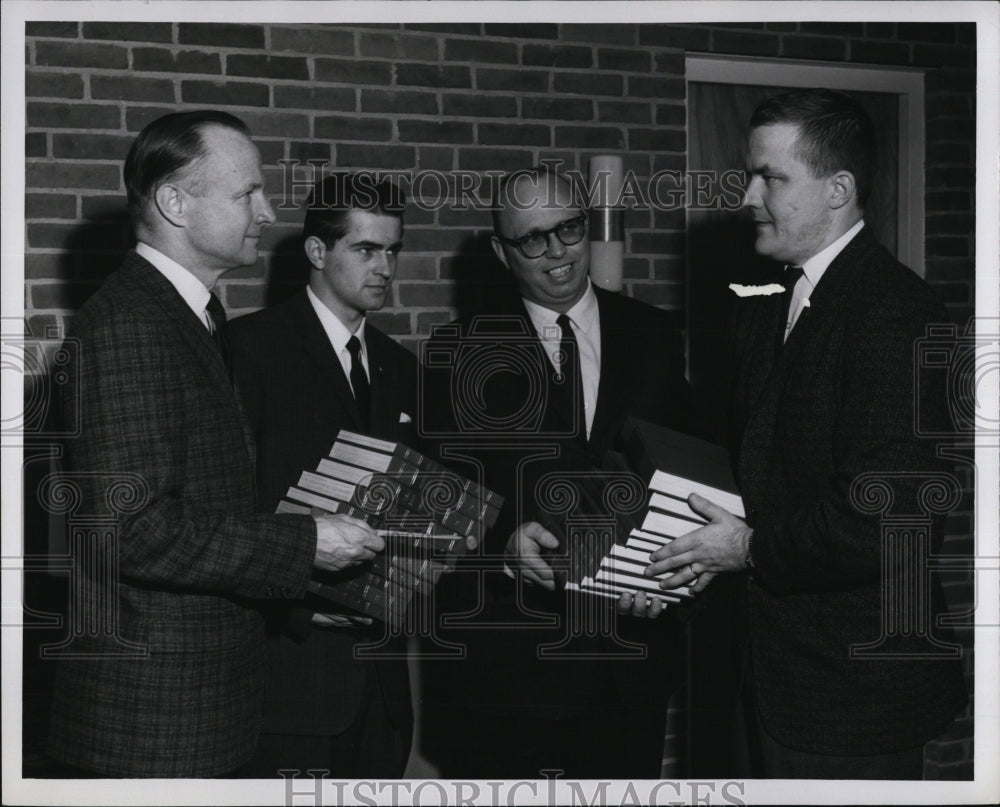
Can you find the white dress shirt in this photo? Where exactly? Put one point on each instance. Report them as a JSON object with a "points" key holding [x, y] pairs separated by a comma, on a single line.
{"points": [[585, 320], [338, 335], [191, 289], [812, 270]]}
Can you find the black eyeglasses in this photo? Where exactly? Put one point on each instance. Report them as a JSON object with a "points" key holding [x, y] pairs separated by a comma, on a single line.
{"points": [[536, 243]]}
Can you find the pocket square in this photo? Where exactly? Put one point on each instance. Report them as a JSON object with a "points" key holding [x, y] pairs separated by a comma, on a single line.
{"points": [[405, 418]]}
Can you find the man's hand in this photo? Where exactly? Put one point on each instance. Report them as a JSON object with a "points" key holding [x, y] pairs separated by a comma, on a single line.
{"points": [[523, 554], [343, 541], [640, 605], [695, 558]]}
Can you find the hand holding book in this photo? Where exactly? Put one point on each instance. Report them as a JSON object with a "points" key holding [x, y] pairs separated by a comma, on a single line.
{"points": [[344, 541]]}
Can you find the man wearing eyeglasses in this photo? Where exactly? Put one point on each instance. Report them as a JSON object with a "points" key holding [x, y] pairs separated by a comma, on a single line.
{"points": [[578, 360]]}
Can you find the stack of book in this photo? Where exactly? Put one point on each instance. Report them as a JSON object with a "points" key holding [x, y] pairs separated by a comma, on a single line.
{"points": [[610, 560], [423, 511]]}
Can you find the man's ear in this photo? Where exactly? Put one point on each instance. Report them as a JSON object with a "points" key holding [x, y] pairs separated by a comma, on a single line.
{"points": [[843, 189], [171, 204], [315, 251], [497, 245]]}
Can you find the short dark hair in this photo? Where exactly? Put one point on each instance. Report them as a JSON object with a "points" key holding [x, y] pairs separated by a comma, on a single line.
{"points": [[333, 198], [835, 133], [503, 198], [167, 146]]}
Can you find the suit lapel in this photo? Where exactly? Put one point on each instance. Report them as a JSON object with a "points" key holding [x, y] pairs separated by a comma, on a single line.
{"points": [[316, 345], [385, 406], [616, 367]]}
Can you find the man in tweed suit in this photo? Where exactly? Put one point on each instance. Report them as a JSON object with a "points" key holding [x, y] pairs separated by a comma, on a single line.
{"points": [[176, 690], [825, 394], [325, 708]]}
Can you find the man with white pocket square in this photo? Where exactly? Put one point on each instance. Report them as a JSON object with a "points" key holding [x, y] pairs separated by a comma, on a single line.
{"points": [[307, 368]]}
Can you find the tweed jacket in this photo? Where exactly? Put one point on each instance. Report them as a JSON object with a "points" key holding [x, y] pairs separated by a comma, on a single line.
{"points": [[642, 375], [175, 687], [837, 401], [297, 398]]}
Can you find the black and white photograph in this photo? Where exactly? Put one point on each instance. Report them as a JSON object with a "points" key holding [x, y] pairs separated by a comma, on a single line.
{"points": [[565, 403]]}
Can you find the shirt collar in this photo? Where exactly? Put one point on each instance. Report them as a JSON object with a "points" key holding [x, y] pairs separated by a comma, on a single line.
{"points": [[191, 289], [817, 265], [582, 314], [336, 331]]}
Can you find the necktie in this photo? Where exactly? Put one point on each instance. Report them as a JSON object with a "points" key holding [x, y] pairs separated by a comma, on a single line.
{"points": [[791, 277], [571, 376], [359, 381], [218, 315]]}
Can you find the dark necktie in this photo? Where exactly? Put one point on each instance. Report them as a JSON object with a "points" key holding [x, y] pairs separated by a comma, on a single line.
{"points": [[790, 278], [218, 315], [359, 381], [572, 377]]}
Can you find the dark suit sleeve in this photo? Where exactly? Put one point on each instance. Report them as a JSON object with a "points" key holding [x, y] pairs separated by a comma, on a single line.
{"points": [[831, 544], [141, 414]]}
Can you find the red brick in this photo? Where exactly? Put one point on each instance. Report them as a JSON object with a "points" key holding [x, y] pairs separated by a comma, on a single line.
{"points": [[425, 294], [813, 47], [531, 30], [938, 105], [69, 295], [881, 30], [948, 200], [843, 29], [682, 37], [474, 215], [129, 31], [944, 55], [386, 158], [926, 31], [671, 114], [271, 151], [353, 71], [434, 239], [621, 59], [557, 55], [245, 295], [493, 159], [286, 125], [72, 175], [951, 129], [415, 267], [659, 294], [421, 212], [431, 158], [52, 85], [90, 237], [79, 146], [671, 63], [313, 97], [69, 30], [673, 270], [293, 68], [80, 54], [316, 39], [105, 208], [391, 322], [40, 265], [669, 162], [431, 131], [479, 50], [161, 60], [479, 106], [49, 206], [558, 108], [950, 224], [659, 243], [428, 319], [613, 34], [513, 134], [221, 35], [35, 144], [457, 28], [951, 79], [429, 75], [948, 246], [636, 268], [744, 43], [399, 45], [660, 87], [132, 88], [589, 137], [224, 93], [588, 84], [399, 102], [623, 112], [879, 52], [512, 81]]}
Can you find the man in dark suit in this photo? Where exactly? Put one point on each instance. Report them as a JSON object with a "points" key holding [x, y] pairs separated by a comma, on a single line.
{"points": [[825, 394], [541, 384], [306, 369], [164, 460]]}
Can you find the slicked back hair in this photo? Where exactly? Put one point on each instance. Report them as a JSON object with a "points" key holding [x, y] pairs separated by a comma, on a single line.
{"points": [[334, 197], [835, 133], [165, 148]]}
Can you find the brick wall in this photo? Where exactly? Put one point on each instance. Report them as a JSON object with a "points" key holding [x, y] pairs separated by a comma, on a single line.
{"points": [[445, 98]]}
